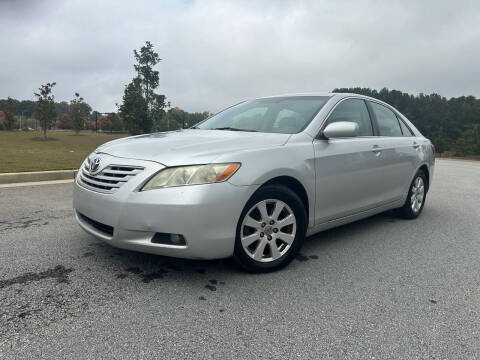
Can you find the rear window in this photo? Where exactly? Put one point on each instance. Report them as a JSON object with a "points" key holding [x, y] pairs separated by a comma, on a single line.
{"points": [[387, 121], [405, 130]]}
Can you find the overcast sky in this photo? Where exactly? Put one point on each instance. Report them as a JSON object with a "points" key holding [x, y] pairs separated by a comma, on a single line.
{"points": [[216, 53]]}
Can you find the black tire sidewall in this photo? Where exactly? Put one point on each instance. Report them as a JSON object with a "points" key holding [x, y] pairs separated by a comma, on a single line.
{"points": [[288, 196], [406, 210]]}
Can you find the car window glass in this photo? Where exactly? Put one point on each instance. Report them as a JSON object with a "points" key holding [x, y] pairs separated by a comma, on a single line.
{"points": [[353, 110], [286, 114], [405, 130], [250, 119], [387, 120], [288, 120]]}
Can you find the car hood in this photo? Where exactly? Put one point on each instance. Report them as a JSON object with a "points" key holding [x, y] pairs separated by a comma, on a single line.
{"points": [[189, 146]]}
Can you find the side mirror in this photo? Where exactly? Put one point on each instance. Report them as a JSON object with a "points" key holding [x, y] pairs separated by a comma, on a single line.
{"points": [[341, 129]]}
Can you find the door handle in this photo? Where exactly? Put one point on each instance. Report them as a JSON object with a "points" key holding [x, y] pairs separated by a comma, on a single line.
{"points": [[377, 150], [416, 145]]}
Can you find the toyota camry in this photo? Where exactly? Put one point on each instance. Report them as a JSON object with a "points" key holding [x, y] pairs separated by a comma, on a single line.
{"points": [[252, 181]]}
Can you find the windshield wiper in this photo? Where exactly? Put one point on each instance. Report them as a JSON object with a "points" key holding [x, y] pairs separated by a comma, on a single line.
{"points": [[233, 129]]}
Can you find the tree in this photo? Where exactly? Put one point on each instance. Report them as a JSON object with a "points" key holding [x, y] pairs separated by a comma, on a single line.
{"points": [[116, 122], [142, 109], [79, 114], [26, 108], [85, 109], [195, 118], [94, 115], [104, 123], [464, 146], [65, 122], [476, 139], [147, 58], [159, 117], [439, 141], [45, 109], [110, 122], [469, 143], [178, 118], [134, 109], [10, 112], [90, 125], [62, 108]]}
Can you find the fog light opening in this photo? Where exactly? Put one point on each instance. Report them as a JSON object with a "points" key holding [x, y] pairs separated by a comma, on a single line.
{"points": [[169, 239]]}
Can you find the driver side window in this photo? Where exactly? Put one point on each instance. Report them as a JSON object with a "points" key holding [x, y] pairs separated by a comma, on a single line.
{"points": [[353, 110]]}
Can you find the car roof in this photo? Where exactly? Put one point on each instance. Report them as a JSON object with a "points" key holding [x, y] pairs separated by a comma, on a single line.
{"points": [[297, 94], [328, 94]]}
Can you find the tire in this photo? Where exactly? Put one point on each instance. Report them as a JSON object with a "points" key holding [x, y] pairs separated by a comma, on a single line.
{"points": [[257, 235], [417, 192]]}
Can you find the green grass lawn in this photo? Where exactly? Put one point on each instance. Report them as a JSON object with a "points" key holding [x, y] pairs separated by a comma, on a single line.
{"points": [[24, 151]]}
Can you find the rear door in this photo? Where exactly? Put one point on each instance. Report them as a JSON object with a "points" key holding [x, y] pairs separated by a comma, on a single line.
{"points": [[397, 151], [348, 170]]}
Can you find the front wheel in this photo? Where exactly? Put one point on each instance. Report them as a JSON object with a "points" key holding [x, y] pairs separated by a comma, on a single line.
{"points": [[270, 230], [416, 197]]}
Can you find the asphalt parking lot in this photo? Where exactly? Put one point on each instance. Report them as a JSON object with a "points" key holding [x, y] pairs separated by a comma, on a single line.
{"points": [[379, 288]]}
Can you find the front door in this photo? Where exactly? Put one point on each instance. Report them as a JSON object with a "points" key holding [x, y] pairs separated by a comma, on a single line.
{"points": [[348, 170]]}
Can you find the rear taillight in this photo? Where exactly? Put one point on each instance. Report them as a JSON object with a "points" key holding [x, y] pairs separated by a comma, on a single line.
{"points": [[433, 150]]}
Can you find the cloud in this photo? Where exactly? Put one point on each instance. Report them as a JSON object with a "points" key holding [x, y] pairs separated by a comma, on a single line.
{"points": [[218, 52]]}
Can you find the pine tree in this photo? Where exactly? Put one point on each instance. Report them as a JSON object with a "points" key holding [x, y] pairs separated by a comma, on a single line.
{"points": [[439, 141], [143, 109]]}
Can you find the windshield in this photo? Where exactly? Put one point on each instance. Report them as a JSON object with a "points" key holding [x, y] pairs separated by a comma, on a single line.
{"points": [[287, 115]]}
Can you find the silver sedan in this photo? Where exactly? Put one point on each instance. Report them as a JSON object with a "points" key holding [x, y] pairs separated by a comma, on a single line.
{"points": [[253, 180]]}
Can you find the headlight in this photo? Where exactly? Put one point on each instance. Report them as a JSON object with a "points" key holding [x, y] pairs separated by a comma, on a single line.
{"points": [[191, 175]]}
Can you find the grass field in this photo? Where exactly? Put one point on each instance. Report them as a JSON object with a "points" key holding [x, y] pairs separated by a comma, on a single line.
{"points": [[24, 151]]}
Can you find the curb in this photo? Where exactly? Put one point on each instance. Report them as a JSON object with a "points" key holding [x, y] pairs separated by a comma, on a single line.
{"points": [[36, 183], [37, 176]]}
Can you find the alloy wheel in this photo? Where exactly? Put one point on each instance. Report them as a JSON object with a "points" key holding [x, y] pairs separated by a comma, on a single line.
{"points": [[417, 194], [268, 230]]}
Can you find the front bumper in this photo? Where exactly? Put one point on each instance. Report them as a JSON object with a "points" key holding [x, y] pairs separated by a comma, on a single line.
{"points": [[206, 215]]}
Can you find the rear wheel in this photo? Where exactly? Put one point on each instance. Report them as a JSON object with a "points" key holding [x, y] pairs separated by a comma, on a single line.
{"points": [[271, 229], [416, 197]]}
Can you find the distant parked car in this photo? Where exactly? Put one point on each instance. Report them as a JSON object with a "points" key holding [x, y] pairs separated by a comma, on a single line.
{"points": [[253, 180]]}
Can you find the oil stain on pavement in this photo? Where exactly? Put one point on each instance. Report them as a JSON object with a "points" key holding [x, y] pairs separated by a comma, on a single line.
{"points": [[59, 272]]}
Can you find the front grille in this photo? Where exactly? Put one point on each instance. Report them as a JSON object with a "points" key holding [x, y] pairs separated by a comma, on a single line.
{"points": [[109, 179], [106, 229]]}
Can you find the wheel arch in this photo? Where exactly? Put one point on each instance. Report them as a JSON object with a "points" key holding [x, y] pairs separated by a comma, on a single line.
{"points": [[426, 171], [294, 185]]}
